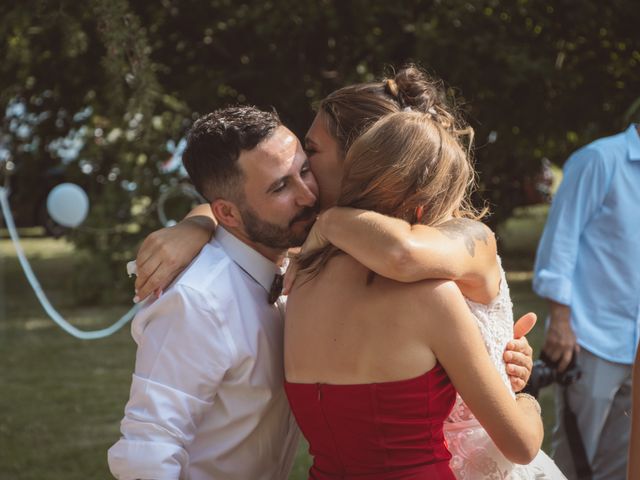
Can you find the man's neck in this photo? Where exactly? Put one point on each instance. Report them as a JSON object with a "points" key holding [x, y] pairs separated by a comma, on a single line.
{"points": [[274, 254]]}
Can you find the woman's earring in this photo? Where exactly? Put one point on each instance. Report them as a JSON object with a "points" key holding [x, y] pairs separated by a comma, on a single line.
{"points": [[419, 213]]}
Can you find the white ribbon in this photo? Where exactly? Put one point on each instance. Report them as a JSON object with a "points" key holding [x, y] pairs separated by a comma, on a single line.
{"points": [[44, 301]]}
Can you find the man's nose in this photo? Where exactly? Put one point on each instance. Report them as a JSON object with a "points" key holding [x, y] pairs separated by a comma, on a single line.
{"points": [[306, 197]]}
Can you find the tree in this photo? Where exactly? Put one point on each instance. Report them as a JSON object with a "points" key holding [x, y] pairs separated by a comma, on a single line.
{"points": [[118, 79]]}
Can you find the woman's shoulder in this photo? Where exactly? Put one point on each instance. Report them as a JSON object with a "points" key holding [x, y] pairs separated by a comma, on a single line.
{"points": [[438, 303], [430, 296], [439, 289], [467, 227]]}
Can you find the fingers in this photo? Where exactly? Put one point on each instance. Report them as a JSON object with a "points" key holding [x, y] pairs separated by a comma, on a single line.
{"points": [[147, 262], [518, 359], [519, 366], [520, 345], [315, 239], [560, 340], [158, 269], [517, 384], [565, 360], [149, 279], [148, 248], [560, 348], [524, 325], [290, 277], [518, 375]]}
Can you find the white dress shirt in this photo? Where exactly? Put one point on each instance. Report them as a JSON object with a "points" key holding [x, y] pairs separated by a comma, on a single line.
{"points": [[207, 398]]}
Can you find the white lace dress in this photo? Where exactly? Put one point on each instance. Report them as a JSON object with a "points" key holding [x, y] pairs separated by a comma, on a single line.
{"points": [[475, 456]]}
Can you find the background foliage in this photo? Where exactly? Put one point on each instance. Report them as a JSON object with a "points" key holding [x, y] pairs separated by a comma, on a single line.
{"points": [[93, 91]]}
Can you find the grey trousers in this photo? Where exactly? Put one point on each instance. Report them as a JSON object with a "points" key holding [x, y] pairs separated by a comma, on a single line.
{"points": [[601, 401]]}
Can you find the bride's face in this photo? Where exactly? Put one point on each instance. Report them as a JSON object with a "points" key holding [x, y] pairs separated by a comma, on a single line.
{"points": [[326, 161]]}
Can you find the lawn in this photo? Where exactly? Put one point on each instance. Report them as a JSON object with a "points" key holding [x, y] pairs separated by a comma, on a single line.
{"points": [[62, 398]]}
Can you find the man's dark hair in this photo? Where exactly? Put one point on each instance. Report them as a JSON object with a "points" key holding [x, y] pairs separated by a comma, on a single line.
{"points": [[214, 145]]}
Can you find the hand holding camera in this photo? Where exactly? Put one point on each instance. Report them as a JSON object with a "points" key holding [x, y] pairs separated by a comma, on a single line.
{"points": [[560, 341], [557, 361]]}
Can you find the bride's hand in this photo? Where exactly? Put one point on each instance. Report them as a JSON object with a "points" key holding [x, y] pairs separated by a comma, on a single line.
{"points": [[519, 355], [290, 275], [166, 252], [315, 239]]}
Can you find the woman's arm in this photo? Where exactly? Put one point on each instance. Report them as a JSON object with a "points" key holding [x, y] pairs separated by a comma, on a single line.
{"points": [[461, 250], [166, 252], [634, 444], [514, 425]]}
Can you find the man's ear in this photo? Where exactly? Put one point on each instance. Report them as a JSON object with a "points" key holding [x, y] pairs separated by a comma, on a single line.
{"points": [[227, 213]]}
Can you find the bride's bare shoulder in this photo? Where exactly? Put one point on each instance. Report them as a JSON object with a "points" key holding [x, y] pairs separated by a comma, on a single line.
{"points": [[433, 300], [418, 295], [438, 290]]}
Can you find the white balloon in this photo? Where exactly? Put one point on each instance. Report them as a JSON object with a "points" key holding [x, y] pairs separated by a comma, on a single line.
{"points": [[68, 204]]}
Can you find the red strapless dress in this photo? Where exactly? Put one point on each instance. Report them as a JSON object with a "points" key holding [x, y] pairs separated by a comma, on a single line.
{"points": [[377, 431]]}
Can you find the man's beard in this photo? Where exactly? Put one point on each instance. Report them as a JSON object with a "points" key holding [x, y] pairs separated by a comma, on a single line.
{"points": [[272, 235]]}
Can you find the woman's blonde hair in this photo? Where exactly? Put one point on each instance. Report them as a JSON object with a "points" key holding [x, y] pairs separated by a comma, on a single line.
{"points": [[404, 163], [350, 110]]}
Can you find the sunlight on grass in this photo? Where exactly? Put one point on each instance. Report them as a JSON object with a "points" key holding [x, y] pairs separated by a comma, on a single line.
{"points": [[36, 247]]}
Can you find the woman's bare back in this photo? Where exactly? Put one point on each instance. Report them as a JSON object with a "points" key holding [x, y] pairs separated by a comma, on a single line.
{"points": [[342, 329]]}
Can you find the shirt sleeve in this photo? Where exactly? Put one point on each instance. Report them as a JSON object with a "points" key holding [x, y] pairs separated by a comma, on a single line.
{"points": [[578, 198], [183, 354]]}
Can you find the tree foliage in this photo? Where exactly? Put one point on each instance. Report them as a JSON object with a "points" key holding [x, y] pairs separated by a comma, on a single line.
{"points": [[98, 88]]}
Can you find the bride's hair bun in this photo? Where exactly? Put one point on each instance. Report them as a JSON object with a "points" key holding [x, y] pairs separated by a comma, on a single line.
{"points": [[415, 90], [350, 110]]}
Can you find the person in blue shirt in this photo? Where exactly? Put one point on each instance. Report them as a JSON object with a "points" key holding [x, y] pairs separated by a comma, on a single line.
{"points": [[634, 444], [588, 267]]}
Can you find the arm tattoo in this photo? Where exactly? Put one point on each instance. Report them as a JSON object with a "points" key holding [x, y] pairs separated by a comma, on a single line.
{"points": [[470, 231]]}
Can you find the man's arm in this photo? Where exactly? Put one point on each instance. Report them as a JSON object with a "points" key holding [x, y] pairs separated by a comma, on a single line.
{"points": [[181, 360], [579, 197]]}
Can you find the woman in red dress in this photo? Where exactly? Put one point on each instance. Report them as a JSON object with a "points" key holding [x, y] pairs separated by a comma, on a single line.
{"points": [[371, 364]]}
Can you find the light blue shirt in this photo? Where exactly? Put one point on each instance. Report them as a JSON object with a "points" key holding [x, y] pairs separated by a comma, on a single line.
{"points": [[589, 254]]}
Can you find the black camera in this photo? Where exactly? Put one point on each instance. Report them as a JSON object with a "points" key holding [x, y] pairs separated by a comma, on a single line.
{"points": [[544, 373]]}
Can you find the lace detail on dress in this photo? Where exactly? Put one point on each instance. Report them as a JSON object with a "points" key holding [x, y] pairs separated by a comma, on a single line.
{"points": [[474, 455], [496, 326]]}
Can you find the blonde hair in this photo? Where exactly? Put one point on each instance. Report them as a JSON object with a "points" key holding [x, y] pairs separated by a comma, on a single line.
{"points": [[350, 110], [406, 160]]}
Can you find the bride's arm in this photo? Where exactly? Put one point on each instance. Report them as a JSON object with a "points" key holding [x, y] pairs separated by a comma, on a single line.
{"points": [[514, 425], [166, 252], [461, 250]]}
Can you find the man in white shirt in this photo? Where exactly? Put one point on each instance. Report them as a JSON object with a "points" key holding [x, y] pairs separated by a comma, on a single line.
{"points": [[207, 398]]}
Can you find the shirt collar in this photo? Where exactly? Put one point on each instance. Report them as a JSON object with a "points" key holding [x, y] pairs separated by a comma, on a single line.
{"points": [[633, 139], [260, 268]]}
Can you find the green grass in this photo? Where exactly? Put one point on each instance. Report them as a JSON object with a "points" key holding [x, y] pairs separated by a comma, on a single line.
{"points": [[62, 399]]}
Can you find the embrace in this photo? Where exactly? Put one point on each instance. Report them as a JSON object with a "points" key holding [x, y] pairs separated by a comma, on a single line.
{"points": [[395, 355]]}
